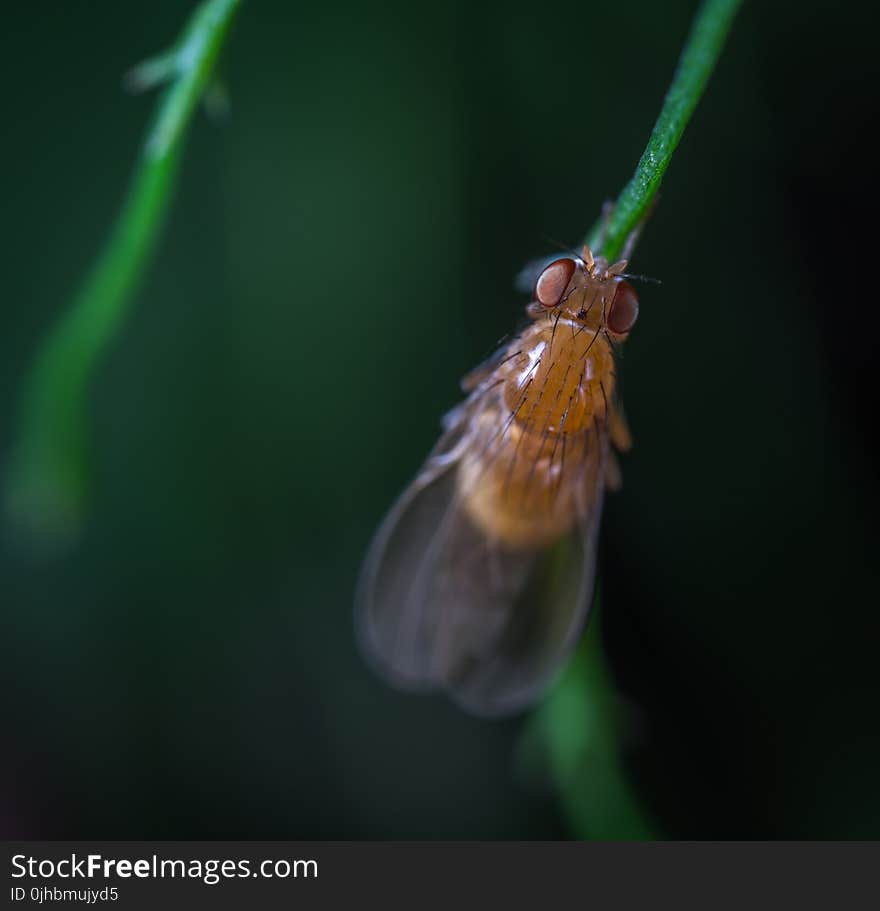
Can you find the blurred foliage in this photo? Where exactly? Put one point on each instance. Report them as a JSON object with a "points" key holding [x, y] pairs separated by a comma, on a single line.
{"points": [[47, 487], [340, 253], [581, 731]]}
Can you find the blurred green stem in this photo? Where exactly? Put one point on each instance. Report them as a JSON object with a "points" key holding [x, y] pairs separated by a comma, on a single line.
{"points": [[580, 725], [701, 51], [48, 474], [578, 722]]}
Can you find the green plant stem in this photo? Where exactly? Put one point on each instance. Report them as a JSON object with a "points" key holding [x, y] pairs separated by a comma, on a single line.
{"points": [[580, 723], [48, 473], [579, 720], [701, 51]]}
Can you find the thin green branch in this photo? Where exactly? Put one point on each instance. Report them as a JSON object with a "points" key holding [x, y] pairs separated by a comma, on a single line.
{"points": [[48, 475], [579, 722], [701, 51]]}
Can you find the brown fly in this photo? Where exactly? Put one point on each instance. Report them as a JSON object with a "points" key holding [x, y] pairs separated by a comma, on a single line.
{"points": [[479, 580]]}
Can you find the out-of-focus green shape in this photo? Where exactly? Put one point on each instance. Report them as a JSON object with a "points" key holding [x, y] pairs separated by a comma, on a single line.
{"points": [[578, 722], [701, 51], [578, 726], [48, 480]]}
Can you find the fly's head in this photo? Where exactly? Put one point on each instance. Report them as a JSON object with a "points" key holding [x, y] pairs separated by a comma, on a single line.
{"points": [[588, 291]]}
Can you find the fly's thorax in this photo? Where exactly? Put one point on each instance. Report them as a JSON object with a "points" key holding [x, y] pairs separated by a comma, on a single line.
{"points": [[562, 379]]}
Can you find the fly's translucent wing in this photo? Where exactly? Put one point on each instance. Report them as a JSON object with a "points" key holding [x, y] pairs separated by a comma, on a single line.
{"points": [[443, 605]]}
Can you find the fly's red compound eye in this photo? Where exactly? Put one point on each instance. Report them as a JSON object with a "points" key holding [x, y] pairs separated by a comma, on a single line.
{"points": [[624, 309], [553, 281]]}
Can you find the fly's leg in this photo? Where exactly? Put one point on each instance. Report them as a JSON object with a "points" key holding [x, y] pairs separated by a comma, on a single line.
{"points": [[636, 232], [483, 372], [632, 240], [618, 429], [613, 476], [605, 220], [471, 380]]}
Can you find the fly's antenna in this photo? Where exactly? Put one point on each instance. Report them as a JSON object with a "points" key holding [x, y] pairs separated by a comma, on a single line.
{"points": [[636, 232], [647, 279]]}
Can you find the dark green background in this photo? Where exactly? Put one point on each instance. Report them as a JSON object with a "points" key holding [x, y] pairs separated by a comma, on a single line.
{"points": [[340, 251]]}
